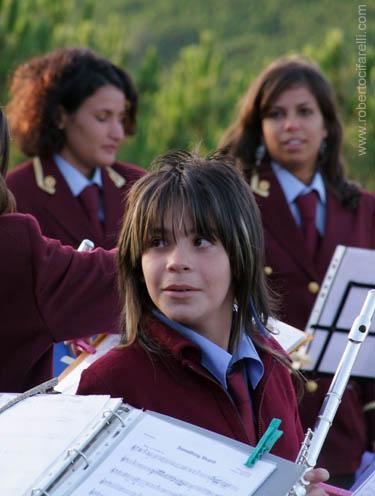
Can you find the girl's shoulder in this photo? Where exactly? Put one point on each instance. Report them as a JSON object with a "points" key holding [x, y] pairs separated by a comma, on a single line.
{"points": [[127, 170], [20, 172], [121, 359]]}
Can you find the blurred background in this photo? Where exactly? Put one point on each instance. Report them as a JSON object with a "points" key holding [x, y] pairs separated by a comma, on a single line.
{"points": [[192, 59]]}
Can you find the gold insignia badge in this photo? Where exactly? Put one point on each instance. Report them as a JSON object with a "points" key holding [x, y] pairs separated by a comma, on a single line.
{"points": [[260, 187]]}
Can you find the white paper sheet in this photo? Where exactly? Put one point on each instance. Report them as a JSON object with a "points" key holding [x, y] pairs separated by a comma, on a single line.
{"points": [[367, 488], [357, 265], [158, 458], [288, 337], [348, 265], [38, 430], [69, 384]]}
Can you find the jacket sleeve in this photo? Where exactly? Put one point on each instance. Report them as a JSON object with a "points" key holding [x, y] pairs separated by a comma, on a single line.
{"points": [[76, 292]]}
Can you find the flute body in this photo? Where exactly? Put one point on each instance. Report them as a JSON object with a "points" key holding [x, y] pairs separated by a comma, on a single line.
{"points": [[314, 439]]}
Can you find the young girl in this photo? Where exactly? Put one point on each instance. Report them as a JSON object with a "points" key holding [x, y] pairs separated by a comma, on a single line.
{"points": [[195, 303]]}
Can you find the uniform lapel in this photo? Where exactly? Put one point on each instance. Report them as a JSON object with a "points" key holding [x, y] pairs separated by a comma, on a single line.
{"points": [[279, 222], [63, 206], [114, 202]]}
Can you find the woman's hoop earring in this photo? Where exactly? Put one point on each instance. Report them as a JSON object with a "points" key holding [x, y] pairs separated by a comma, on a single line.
{"points": [[260, 153]]}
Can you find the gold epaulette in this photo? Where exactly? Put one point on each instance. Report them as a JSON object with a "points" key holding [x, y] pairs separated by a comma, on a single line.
{"points": [[117, 179], [260, 187], [47, 183]]}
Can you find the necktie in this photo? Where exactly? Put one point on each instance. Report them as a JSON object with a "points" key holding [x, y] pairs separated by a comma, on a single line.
{"points": [[307, 208], [90, 202], [239, 392]]}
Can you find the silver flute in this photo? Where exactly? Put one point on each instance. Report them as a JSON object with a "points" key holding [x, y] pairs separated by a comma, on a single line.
{"points": [[314, 439]]}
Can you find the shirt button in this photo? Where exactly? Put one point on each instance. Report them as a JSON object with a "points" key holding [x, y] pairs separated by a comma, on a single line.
{"points": [[50, 182], [311, 386], [313, 287], [268, 270]]}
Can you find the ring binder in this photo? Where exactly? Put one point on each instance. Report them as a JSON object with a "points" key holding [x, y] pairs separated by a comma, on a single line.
{"points": [[153, 449], [79, 453], [111, 414]]}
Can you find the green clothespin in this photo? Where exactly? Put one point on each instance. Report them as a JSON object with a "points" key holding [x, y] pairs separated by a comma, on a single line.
{"points": [[266, 442]]}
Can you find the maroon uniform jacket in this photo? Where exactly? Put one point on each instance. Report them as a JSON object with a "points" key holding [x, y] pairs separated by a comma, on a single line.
{"points": [[48, 293], [176, 384], [296, 278], [41, 190]]}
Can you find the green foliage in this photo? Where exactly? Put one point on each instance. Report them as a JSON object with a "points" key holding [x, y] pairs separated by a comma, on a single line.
{"points": [[193, 60]]}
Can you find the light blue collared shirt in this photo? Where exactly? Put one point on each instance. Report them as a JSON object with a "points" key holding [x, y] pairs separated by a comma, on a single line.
{"points": [[293, 188], [77, 182], [218, 361]]}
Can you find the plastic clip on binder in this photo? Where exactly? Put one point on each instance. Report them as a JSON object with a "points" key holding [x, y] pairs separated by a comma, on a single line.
{"points": [[266, 442]]}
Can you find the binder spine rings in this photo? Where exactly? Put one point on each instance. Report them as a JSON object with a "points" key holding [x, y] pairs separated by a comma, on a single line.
{"points": [[112, 419]]}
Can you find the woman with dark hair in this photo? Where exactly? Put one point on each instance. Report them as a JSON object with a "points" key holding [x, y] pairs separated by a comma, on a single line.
{"points": [[287, 139], [48, 293], [70, 110], [190, 265]]}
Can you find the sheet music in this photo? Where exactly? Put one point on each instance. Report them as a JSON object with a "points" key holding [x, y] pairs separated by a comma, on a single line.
{"points": [[69, 384], [367, 488], [159, 458], [5, 397], [365, 482], [357, 265], [350, 275], [38, 430]]}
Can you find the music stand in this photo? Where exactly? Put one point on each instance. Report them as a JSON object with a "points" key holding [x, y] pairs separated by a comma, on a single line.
{"points": [[350, 275]]}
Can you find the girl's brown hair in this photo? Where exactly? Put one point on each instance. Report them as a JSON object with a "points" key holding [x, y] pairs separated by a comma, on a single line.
{"points": [[221, 206]]}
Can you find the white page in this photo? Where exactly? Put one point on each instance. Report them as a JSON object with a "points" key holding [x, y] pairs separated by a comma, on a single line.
{"points": [[69, 384], [38, 430], [288, 337], [5, 397], [367, 488], [347, 265], [160, 458], [358, 265]]}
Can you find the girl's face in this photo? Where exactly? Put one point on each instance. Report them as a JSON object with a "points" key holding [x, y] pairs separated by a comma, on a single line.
{"points": [[293, 130], [189, 279], [95, 130]]}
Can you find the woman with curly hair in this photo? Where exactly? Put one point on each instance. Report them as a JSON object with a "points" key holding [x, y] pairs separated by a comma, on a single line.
{"points": [[287, 139], [70, 110]]}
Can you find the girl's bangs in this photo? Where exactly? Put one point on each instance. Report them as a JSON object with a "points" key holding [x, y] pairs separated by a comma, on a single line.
{"points": [[178, 205]]}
